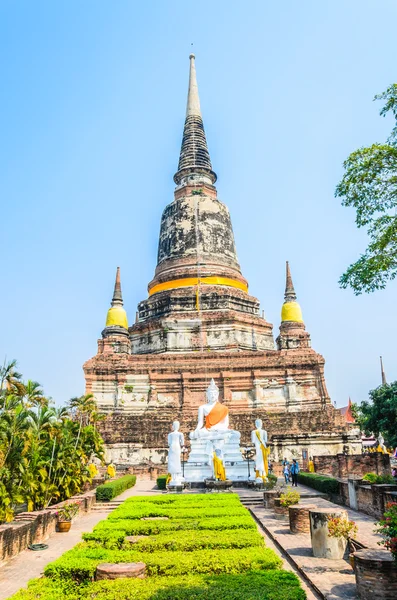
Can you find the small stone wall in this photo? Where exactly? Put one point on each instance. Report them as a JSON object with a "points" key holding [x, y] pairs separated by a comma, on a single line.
{"points": [[35, 527], [345, 465], [371, 499]]}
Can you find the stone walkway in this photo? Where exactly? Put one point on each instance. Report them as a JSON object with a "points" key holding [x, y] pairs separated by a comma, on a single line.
{"points": [[16, 573], [332, 579]]}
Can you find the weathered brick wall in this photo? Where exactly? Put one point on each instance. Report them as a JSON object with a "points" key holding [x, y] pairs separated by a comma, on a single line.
{"points": [[35, 527], [344, 466], [371, 499]]}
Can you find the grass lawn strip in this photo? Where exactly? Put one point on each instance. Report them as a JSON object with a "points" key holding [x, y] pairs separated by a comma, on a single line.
{"points": [[207, 548]]}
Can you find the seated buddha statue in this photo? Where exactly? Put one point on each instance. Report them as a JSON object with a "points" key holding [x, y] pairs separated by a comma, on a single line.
{"points": [[213, 417]]}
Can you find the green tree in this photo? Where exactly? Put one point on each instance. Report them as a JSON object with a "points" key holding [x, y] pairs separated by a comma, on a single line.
{"points": [[380, 414], [369, 185]]}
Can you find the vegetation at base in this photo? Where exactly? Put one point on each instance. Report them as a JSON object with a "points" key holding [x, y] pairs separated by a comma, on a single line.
{"points": [[374, 478], [369, 185], [186, 540], [289, 498], [271, 482], [321, 483], [388, 529], [146, 511], [110, 489], [162, 482], [203, 558], [44, 450], [379, 415], [263, 585]]}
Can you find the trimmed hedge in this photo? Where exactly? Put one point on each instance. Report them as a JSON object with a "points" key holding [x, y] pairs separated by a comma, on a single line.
{"points": [[80, 563], [321, 483], [136, 527], [111, 489], [187, 541], [162, 482], [186, 500], [143, 511], [263, 585]]}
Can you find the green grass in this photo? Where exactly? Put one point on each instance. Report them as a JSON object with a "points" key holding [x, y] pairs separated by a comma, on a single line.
{"points": [[208, 548]]}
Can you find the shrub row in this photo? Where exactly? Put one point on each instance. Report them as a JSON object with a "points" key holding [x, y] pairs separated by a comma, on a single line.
{"points": [[186, 541], [162, 482], [80, 563], [111, 489], [136, 527], [265, 585], [142, 511], [322, 483], [374, 478], [186, 500]]}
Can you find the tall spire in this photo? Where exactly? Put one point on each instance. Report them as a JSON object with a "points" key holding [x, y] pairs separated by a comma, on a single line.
{"points": [[291, 311], [194, 159], [117, 317], [117, 299], [384, 382], [290, 295]]}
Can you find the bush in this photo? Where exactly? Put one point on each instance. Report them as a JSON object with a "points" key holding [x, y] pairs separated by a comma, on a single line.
{"points": [[289, 498], [271, 482], [162, 482], [136, 527], [80, 563], [374, 478], [111, 489], [142, 511], [322, 483], [262, 585]]}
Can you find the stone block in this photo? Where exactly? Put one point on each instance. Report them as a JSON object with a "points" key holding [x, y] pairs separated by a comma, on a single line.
{"points": [[299, 521], [120, 570], [376, 574]]}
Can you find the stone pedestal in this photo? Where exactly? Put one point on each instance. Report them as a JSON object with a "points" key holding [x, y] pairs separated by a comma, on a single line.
{"points": [[324, 546], [376, 574], [199, 465], [268, 498], [120, 570], [299, 521], [281, 512]]}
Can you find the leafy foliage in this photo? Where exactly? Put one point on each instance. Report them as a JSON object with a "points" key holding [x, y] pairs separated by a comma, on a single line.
{"points": [[388, 529], [369, 185], [374, 478], [340, 527], [44, 451], [380, 414], [162, 482], [180, 564], [289, 498], [321, 483], [110, 489]]}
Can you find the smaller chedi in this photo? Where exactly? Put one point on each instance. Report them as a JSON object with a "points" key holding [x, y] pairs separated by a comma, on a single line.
{"points": [[214, 446]]}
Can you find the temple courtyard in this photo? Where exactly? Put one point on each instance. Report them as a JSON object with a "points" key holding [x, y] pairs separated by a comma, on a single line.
{"points": [[313, 577]]}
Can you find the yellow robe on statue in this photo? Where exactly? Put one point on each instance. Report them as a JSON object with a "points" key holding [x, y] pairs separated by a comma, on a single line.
{"points": [[265, 456], [219, 469], [215, 416]]}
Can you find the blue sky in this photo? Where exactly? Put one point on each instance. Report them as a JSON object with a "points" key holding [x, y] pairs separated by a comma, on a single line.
{"points": [[91, 117]]}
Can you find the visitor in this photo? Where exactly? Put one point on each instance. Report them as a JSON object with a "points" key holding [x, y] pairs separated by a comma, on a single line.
{"points": [[294, 472], [286, 472], [394, 473]]}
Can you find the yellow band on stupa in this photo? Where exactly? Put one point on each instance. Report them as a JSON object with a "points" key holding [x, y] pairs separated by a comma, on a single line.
{"points": [[192, 281]]}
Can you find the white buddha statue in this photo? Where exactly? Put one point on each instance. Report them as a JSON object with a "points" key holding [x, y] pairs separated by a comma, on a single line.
{"points": [[259, 439], [213, 418], [176, 442]]}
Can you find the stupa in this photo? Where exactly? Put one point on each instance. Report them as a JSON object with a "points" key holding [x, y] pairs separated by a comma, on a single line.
{"points": [[200, 322]]}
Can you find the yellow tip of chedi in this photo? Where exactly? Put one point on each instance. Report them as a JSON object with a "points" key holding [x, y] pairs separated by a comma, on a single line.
{"points": [[291, 311], [117, 317]]}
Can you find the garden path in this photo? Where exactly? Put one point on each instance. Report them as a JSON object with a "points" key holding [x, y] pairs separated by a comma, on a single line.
{"points": [[16, 573], [333, 579]]}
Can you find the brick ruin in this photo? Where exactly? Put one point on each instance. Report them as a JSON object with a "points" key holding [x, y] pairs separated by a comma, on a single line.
{"points": [[199, 322]]}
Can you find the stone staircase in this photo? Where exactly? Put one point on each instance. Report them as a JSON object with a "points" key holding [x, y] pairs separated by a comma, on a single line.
{"points": [[252, 500], [106, 507]]}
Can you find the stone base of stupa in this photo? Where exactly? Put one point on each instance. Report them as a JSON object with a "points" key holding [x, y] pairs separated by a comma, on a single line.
{"points": [[199, 465]]}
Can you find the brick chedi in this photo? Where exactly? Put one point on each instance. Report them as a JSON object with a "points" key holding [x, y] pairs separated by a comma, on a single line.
{"points": [[199, 322]]}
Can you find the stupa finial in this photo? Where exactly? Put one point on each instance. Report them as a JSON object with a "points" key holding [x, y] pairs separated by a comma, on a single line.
{"points": [[291, 310], [382, 371], [194, 160], [117, 316]]}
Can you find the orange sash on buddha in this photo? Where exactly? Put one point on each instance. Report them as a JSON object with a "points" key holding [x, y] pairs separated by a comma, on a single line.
{"points": [[218, 412]]}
